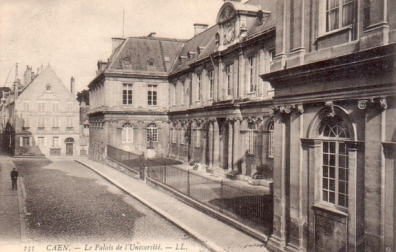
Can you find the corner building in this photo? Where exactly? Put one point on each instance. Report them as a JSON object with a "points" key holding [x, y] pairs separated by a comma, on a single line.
{"points": [[335, 126]]}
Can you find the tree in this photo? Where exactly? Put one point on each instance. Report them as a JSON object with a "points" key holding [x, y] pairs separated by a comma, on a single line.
{"points": [[83, 96]]}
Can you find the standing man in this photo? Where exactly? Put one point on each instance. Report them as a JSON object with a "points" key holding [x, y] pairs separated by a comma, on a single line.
{"points": [[14, 177]]}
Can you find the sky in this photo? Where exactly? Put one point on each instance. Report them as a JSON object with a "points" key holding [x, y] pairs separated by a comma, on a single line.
{"points": [[72, 35]]}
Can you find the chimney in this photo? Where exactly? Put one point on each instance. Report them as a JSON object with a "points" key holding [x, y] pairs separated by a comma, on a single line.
{"points": [[116, 43], [198, 28], [152, 35], [16, 89], [72, 85], [27, 76]]}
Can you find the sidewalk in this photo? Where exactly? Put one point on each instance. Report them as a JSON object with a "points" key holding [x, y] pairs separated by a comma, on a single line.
{"points": [[215, 234], [12, 229]]}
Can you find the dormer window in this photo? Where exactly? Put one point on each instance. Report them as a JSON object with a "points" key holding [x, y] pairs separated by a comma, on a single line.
{"points": [[190, 55], [48, 88], [217, 39], [200, 49], [151, 64]]}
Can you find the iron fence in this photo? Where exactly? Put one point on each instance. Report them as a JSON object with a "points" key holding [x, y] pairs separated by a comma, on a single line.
{"points": [[252, 207], [131, 160]]}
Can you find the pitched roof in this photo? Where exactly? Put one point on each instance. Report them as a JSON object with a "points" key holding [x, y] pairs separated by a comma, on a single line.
{"points": [[206, 39], [145, 54]]}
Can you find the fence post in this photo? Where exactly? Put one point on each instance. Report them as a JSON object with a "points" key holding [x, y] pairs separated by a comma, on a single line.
{"points": [[188, 182], [165, 175], [221, 195], [145, 174]]}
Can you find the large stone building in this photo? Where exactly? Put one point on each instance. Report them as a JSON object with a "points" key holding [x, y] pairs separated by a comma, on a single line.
{"points": [[320, 122], [335, 126], [129, 96], [42, 117], [201, 99]]}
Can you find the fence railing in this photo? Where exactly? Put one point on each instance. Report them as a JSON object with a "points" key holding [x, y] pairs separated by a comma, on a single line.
{"points": [[251, 207], [132, 160]]}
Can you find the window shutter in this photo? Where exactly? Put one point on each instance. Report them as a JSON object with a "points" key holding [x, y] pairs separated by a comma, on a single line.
{"points": [[30, 141], [20, 141]]}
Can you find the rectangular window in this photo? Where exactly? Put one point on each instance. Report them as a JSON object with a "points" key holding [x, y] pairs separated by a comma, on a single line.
{"points": [[199, 87], [41, 106], [251, 72], [41, 123], [55, 141], [55, 123], [335, 173], [127, 94], [229, 75], [152, 95], [127, 134], [211, 84], [182, 93], [174, 94], [55, 106], [339, 13], [26, 141], [69, 123], [26, 105]]}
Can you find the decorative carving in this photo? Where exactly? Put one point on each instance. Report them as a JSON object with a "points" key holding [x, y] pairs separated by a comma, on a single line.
{"points": [[383, 103], [285, 109], [362, 104], [229, 33], [331, 106], [227, 14], [300, 108]]}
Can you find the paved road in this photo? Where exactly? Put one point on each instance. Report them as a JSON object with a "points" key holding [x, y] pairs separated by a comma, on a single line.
{"points": [[67, 203]]}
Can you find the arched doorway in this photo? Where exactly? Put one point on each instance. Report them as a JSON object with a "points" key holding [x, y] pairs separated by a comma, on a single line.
{"points": [[69, 146]]}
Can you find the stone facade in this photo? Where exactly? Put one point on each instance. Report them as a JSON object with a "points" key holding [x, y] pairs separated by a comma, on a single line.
{"points": [[42, 118], [334, 115]]}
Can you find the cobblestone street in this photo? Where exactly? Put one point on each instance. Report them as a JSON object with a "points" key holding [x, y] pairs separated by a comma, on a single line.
{"points": [[68, 203]]}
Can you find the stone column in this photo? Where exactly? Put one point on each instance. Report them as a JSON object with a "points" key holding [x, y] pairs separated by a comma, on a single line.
{"points": [[237, 143], [211, 143], [216, 144], [230, 144]]}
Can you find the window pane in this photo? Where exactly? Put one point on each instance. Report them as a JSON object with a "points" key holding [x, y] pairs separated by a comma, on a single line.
{"points": [[325, 172], [332, 172], [347, 14], [331, 197], [331, 184], [332, 147], [325, 196], [342, 200], [325, 184], [332, 160]]}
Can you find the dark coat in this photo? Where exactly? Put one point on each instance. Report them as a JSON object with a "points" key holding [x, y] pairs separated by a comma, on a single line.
{"points": [[14, 175]]}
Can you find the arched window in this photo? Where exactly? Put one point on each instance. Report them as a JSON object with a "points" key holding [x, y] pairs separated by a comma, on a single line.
{"points": [[152, 133], [334, 132], [69, 140], [271, 139], [127, 133]]}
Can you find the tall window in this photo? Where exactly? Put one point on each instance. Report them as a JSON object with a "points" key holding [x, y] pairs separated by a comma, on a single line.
{"points": [[251, 74], [55, 106], [41, 106], [199, 87], [26, 105], [182, 93], [127, 133], [339, 13], [55, 123], [228, 72], [271, 140], [251, 129], [127, 94], [152, 132], [55, 141], [41, 123], [335, 162], [211, 83], [174, 94], [152, 95]]}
